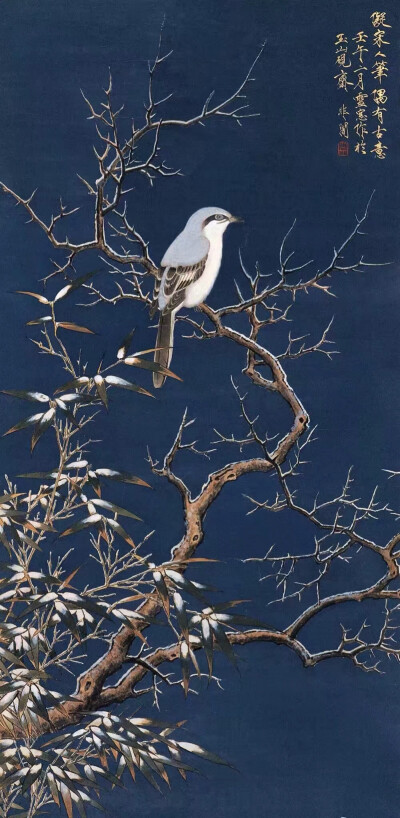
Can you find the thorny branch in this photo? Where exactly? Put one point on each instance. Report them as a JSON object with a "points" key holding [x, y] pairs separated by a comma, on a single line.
{"points": [[119, 157], [337, 523], [130, 593]]}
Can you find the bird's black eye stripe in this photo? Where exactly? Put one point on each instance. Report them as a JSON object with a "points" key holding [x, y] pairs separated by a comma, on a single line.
{"points": [[219, 217]]}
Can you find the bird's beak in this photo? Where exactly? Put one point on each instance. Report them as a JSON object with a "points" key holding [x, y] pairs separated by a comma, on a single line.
{"points": [[236, 219]]}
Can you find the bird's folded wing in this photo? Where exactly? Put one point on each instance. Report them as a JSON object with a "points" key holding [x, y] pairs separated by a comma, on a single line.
{"points": [[177, 279], [156, 290]]}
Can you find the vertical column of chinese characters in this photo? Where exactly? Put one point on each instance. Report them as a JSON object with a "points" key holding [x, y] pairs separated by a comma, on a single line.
{"points": [[379, 73], [342, 83], [361, 97]]}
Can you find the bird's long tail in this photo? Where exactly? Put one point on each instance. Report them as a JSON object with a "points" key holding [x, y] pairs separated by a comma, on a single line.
{"points": [[165, 344]]}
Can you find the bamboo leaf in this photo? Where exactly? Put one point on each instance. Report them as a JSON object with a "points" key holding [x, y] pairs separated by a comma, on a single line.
{"points": [[95, 482], [114, 380], [87, 521], [180, 609], [66, 582], [147, 774], [38, 703], [77, 397], [207, 640], [185, 665], [162, 590], [23, 424], [145, 351], [39, 475], [43, 424], [116, 509], [41, 298], [84, 602], [184, 584], [177, 757], [66, 797], [200, 751], [74, 285], [230, 619], [125, 344], [224, 606], [53, 787], [33, 774], [9, 779], [38, 603], [8, 699], [122, 476], [6, 654], [69, 621], [26, 395], [44, 319], [23, 699], [74, 327], [223, 641], [28, 540], [101, 389], [74, 384], [121, 531], [151, 365], [64, 408], [10, 496]]}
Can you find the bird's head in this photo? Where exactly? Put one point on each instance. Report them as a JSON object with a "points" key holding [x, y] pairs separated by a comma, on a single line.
{"points": [[212, 221]]}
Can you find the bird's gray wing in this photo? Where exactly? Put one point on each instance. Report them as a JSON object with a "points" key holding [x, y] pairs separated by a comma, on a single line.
{"points": [[176, 280], [156, 290], [189, 248]]}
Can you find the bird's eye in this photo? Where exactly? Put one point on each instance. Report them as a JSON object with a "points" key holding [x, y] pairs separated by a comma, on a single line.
{"points": [[219, 217]]}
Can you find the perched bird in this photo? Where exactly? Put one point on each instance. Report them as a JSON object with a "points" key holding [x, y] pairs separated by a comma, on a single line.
{"points": [[188, 272]]}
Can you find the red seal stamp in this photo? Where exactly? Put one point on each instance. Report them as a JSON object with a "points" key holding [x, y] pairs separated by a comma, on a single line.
{"points": [[343, 148]]}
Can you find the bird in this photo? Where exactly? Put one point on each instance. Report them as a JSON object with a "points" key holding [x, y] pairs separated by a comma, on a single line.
{"points": [[187, 274]]}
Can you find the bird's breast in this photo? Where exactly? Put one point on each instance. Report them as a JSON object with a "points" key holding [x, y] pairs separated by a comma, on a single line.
{"points": [[197, 292]]}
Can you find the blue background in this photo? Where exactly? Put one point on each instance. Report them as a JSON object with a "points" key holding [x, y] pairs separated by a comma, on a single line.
{"points": [[316, 743]]}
